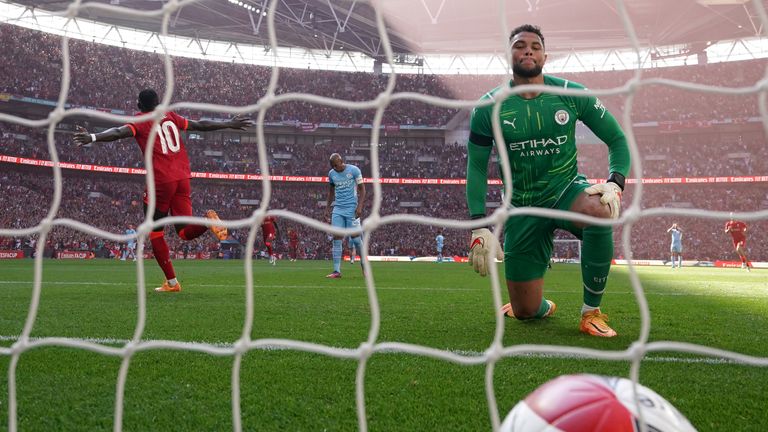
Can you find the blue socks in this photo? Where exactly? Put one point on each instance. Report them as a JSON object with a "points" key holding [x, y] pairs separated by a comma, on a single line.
{"points": [[337, 255]]}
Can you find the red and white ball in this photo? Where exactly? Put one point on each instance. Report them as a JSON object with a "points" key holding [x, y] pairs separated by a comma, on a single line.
{"points": [[593, 403]]}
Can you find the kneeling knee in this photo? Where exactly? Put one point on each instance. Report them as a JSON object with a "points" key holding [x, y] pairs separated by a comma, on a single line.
{"points": [[525, 314], [592, 206]]}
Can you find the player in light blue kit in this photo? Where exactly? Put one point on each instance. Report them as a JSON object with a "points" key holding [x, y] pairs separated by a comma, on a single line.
{"points": [[439, 243], [346, 195], [130, 248], [676, 248]]}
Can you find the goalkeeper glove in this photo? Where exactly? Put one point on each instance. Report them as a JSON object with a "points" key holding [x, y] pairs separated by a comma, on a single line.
{"points": [[480, 249], [610, 193]]}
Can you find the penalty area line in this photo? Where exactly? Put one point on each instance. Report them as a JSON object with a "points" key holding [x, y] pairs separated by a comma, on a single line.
{"points": [[718, 293]]}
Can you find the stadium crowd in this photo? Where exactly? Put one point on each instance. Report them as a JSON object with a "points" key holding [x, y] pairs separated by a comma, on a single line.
{"points": [[689, 145], [94, 81], [111, 202], [706, 153]]}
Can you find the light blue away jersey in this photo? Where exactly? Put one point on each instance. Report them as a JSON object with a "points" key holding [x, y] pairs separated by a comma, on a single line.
{"points": [[677, 237], [345, 186], [130, 231], [439, 239]]}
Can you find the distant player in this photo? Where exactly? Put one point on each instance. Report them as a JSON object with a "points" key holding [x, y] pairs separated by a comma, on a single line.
{"points": [[738, 232], [676, 247], [346, 195], [269, 232], [439, 240], [170, 166], [130, 247], [293, 244]]}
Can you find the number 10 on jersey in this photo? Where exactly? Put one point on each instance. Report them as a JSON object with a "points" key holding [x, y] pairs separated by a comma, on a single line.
{"points": [[169, 137]]}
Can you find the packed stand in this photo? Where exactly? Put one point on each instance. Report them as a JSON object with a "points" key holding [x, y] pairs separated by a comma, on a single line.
{"points": [[94, 81], [112, 202], [708, 153]]}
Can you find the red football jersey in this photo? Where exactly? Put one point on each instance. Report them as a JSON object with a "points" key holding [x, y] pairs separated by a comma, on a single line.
{"points": [[170, 160], [268, 226], [736, 229]]}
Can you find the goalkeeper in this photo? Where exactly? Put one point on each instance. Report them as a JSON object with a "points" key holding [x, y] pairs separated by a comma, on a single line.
{"points": [[539, 134]]}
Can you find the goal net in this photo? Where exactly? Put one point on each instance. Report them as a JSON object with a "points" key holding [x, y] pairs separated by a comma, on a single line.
{"points": [[393, 118], [566, 251]]}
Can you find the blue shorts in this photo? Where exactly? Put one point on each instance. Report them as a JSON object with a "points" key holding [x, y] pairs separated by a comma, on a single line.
{"points": [[344, 221], [676, 248]]}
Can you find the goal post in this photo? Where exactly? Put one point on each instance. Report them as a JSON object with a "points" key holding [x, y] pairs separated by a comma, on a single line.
{"points": [[566, 251]]}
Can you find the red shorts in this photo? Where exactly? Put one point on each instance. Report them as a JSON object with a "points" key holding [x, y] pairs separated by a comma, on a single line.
{"points": [[173, 197], [739, 240]]}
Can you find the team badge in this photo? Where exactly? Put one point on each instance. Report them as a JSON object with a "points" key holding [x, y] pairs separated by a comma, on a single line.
{"points": [[562, 117]]}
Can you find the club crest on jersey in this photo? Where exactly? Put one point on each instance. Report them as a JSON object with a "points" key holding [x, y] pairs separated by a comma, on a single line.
{"points": [[562, 117], [349, 175]]}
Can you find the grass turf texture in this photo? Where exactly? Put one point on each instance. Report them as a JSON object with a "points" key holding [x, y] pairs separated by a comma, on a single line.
{"points": [[445, 306]]}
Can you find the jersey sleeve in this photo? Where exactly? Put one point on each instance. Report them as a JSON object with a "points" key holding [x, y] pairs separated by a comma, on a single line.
{"points": [[330, 177], [599, 120], [480, 127], [358, 175], [478, 153], [181, 122]]}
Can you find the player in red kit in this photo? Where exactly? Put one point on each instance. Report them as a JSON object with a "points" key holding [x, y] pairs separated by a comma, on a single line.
{"points": [[293, 244], [738, 232], [170, 166], [269, 232]]}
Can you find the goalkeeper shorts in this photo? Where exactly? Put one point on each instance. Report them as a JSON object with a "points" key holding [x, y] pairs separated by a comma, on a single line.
{"points": [[528, 240]]}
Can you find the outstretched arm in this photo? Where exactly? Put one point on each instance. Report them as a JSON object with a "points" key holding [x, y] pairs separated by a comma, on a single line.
{"points": [[237, 122], [83, 137]]}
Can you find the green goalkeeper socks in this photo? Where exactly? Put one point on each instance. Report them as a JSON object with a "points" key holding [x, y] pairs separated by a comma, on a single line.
{"points": [[596, 256], [543, 309]]}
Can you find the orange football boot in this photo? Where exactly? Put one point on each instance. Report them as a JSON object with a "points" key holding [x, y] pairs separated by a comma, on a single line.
{"points": [[594, 323], [507, 309], [219, 231], [167, 288]]}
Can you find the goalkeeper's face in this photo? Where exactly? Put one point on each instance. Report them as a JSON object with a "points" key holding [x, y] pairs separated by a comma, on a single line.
{"points": [[528, 55]]}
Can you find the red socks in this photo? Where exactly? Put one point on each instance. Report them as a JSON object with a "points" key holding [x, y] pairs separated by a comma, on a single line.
{"points": [[163, 257], [191, 232]]}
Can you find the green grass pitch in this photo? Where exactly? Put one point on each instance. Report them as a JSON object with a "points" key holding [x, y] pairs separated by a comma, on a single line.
{"points": [[444, 306]]}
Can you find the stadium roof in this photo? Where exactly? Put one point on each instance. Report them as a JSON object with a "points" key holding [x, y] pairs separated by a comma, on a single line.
{"points": [[441, 26]]}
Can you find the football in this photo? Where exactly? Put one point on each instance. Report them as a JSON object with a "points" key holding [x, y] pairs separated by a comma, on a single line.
{"points": [[593, 403]]}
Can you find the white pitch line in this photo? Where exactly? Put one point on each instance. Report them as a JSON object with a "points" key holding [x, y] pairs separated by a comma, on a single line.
{"points": [[465, 353], [727, 293]]}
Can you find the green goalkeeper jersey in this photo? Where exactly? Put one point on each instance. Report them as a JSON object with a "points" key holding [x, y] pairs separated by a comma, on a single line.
{"points": [[540, 138]]}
